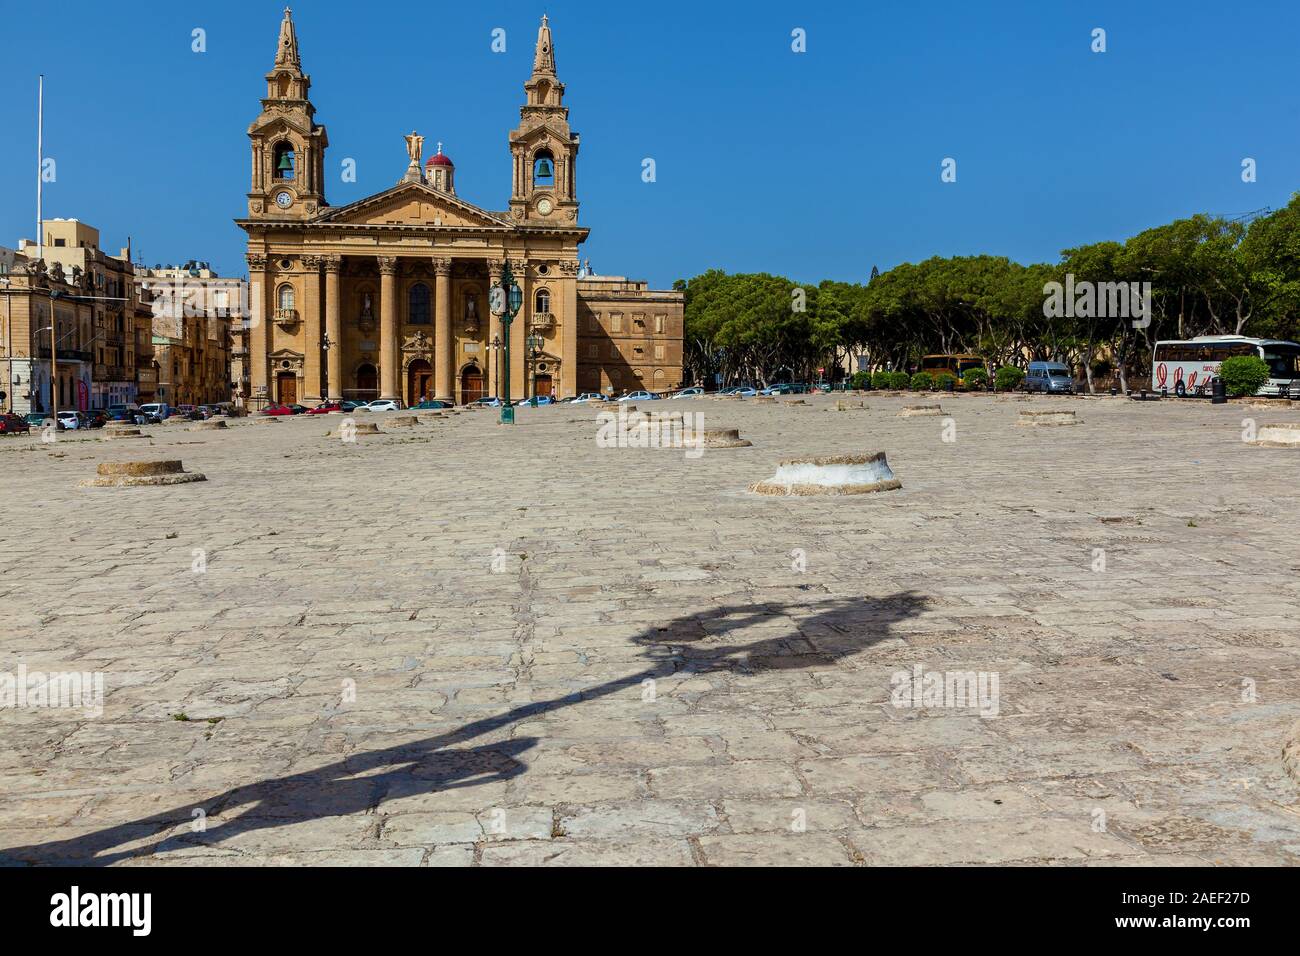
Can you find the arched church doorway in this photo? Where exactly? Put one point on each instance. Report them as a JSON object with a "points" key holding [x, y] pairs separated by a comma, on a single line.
{"points": [[286, 388], [367, 383], [419, 382], [544, 385], [471, 384]]}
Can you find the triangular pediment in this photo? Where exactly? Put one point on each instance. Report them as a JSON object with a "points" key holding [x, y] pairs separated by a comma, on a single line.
{"points": [[414, 204]]}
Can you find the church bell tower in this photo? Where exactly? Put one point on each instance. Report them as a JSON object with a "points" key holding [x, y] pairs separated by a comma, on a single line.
{"points": [[288, 173], [543, 150]]}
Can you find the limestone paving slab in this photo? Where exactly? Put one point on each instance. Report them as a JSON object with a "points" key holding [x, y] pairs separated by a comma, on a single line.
{"points": [[476, 645]]}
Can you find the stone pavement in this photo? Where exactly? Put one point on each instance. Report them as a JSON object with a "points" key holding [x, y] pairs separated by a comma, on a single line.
{"points": [[460, 643]]}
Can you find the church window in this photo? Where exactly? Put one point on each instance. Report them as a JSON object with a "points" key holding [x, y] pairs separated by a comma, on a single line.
{"points": [[418, 302], [284, 158], [284, 298], [543, 303], [543, 168]]}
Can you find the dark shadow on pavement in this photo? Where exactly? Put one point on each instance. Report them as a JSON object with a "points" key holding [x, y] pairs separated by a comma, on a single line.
{"points": [[695, 644]]}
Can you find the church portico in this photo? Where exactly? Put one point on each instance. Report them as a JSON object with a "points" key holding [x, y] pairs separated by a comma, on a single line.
{"points": [[387, 296]]}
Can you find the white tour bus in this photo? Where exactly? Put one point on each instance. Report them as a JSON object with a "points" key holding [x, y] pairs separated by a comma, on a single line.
{"points": [[1189, 367]]}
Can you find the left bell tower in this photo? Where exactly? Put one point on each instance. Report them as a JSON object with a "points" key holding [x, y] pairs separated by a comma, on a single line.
{"points": [[288, 145]]}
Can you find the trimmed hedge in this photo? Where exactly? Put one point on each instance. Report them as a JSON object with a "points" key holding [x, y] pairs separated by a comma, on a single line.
{"points": [[1008, 378], [921, 382], [1243, 375], [860, 380], [975, 378]]}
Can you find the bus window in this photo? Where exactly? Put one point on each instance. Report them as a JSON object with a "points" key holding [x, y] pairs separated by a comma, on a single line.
{"points": [[1282, 363]]}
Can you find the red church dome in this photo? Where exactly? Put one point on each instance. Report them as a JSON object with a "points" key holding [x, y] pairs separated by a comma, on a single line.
{"points": [[440, 159]]}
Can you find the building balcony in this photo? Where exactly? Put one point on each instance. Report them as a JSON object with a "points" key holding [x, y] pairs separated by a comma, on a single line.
{"points": [[287, 318], [543, 320]]}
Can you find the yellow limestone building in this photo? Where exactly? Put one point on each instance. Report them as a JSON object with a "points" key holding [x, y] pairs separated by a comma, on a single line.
{"points": [[387, 297]]}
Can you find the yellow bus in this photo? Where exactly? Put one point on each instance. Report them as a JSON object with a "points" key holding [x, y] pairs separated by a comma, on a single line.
{"points": [[954, 365]]}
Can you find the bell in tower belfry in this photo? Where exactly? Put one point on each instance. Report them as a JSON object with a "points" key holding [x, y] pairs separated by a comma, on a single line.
{"points": [[288, 179], [544, 149]]}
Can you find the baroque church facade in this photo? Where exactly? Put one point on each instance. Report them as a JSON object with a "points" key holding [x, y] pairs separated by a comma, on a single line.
{"points": [[387, 297]]}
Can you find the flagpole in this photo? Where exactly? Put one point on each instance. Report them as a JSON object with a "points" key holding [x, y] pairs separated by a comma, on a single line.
{"points": [[40, 238]]}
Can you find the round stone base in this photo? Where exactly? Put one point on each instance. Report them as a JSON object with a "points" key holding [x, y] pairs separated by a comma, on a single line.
{"points": [[833, 475], [123, 432], [1283, 435], [920, 411], [402, 421], [128, 474], [360, 428], [1048, 418], [718, 438]]}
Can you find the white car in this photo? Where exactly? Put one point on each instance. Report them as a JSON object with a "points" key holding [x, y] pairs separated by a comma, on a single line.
{"points": [[688, 392], [69, 420], [639, 397], [586, 397], [384, 405]]}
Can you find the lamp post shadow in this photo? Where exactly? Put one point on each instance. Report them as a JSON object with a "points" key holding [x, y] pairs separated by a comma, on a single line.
{"points": [[693, 644]]}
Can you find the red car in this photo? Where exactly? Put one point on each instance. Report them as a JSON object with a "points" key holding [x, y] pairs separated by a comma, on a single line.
{"points": [[324, 408], [277, 410], [11, 424]]}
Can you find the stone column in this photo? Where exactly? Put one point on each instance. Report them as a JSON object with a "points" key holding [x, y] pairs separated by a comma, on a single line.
{"points": [[444, 352], [494, 328], [260, 292], [567, 324], [333, 327], [389, 370], [311, 347]]}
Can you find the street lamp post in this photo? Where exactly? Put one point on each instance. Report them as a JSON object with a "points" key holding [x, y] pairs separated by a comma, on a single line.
{"points": [[496, 360], [534, 343], [505, 300]]}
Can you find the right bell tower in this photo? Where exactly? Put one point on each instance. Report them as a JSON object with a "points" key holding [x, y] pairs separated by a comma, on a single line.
{"points": [[543, 150]]}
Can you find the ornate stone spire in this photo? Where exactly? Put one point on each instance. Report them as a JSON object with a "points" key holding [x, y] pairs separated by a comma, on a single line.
{"points": [[286, 53], [544, 58]]}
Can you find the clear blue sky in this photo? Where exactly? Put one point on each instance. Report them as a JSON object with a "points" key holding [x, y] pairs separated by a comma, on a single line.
{"points": [[814, 165]]}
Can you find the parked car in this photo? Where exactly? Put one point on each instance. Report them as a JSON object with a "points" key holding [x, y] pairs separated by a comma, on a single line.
{"points": [[325, 408], [536, 400], [1049, 378], [123, 412], [586, 397], [70, 421], [352, 405], [385, 405], [277, 410], [744, 391], [639, 396], [487, 401], [35, 420], [11, 424], [96, 418], [432, 403], [161, 410], [688, 392]]}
